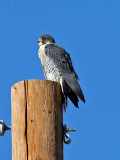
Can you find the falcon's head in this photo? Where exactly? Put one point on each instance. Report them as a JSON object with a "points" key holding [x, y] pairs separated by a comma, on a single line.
{"points": [[45, 39]]}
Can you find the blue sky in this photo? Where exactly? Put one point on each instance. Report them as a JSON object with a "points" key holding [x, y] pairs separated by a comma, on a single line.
{"points": [[90, 32]]}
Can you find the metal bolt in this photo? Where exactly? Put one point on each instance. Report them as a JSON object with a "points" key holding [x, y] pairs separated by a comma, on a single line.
{"points": [[67, 129], [3, 128]]}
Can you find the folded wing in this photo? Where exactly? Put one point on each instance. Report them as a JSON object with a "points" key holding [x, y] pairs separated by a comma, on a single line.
{"points": [[63, 66]]}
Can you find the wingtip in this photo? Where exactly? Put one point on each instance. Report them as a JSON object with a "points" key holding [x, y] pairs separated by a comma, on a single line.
{"points": [[77, 107], [84, 101], [83, 98]]}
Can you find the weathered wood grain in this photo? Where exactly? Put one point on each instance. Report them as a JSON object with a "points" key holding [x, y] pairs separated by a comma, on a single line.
{"points": [[37, 120]]}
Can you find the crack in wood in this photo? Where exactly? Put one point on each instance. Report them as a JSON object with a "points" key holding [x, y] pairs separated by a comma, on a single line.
{"points": [[26, 127]]}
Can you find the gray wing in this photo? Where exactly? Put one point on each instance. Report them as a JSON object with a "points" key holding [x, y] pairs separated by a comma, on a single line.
{"points": [[61, 59], [63, 64]]}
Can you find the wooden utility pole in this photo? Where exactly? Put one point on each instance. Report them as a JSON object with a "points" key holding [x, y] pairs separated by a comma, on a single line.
{"points": [[37, 120]]}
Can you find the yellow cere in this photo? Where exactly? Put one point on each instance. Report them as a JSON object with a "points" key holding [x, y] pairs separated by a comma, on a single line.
{"points": [[40, 39]]}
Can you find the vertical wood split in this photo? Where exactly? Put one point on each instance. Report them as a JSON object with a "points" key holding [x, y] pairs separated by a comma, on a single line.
{"points": [[37, 120], [26, 125]]}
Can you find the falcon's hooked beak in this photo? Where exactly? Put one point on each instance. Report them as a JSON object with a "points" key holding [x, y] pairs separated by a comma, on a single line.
{"points": [[39, 40]]}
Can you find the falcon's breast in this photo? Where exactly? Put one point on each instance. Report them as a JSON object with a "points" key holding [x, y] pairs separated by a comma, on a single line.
{"points": [[49, 67]]}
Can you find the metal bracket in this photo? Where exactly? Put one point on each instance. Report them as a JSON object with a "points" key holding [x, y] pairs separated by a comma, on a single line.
{"points": [[3, 128], [65, 130]]}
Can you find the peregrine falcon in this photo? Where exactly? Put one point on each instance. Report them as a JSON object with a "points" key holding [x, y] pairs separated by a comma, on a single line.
{"points": [[57, 66]]}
